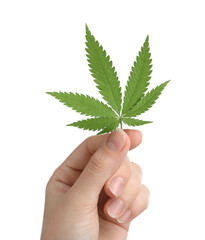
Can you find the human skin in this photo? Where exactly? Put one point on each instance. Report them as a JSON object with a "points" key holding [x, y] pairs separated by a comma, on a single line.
{"points": [[83, 203]]}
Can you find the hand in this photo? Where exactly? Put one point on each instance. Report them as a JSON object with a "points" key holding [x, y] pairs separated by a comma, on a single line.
{"points": [[83, 203]]}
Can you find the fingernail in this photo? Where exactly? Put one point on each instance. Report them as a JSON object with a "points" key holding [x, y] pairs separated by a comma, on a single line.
{"points": [[116, 186], [125, 216], [115, 207], [116, 141]]}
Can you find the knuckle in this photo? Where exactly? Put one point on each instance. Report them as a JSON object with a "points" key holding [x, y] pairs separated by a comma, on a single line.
{"points": [[142, 201], [128, 164], [145, 197], [147, 191], [137, 169], [146, 204], [56, 174], [90, 138], [50, 183], [49, 186]]}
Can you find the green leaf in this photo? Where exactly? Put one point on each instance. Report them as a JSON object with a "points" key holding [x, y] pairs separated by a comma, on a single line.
{"points": [[139, 78], [84, 104], [94, 123], [103, 72], [106, 118], [147, 101], [110, 127], [134, 121]]}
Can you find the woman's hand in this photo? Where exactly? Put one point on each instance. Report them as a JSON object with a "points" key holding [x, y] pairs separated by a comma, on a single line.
{"points": [[96, 192]]}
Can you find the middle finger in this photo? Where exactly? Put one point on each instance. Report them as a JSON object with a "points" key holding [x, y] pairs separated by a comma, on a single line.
{"points": [[115, 184], [115, 207]]}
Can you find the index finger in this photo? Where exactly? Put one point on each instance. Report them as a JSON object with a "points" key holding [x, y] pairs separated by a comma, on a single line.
{"points": [[79, 158]]}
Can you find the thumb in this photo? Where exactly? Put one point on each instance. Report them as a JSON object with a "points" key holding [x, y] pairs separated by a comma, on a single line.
{"points": [[102, 165]]}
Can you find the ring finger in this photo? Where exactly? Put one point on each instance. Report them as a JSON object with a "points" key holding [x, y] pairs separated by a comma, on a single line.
{"points": [[137, 207]]}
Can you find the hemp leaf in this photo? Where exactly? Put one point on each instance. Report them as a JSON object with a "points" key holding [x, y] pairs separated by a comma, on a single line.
{"points": [[136, 98]]}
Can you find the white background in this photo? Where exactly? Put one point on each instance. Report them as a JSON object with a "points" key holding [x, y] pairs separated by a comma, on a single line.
{"points": [[42, 48]]}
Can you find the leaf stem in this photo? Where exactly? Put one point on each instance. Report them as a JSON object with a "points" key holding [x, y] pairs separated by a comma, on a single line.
{"points": [[120, 123]]}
